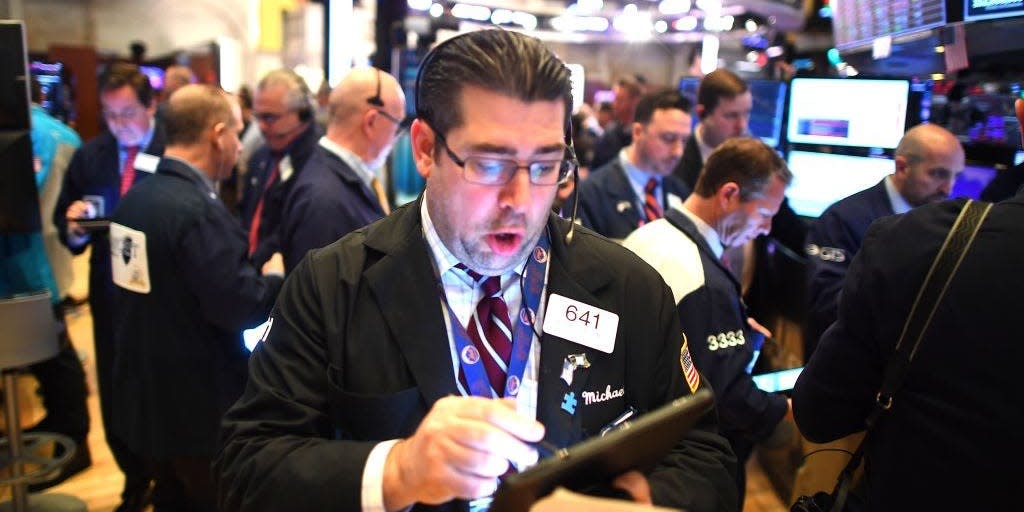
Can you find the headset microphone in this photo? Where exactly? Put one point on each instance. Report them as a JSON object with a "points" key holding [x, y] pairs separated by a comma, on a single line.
{"points": [[575, 205]]}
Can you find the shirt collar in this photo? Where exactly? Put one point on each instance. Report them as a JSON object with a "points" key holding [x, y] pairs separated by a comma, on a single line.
{"points": [[637, 177], [351, 159], [202, 176], [144, 143], [443, 259], [706, 231], [705, 150], [896, 200]]}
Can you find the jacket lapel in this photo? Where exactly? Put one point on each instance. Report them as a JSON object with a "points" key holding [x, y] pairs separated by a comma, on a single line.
{"points": [[577, 280], [404, 284], [621, 193]]}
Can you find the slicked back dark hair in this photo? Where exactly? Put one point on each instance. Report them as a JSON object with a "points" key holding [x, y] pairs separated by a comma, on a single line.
{"points": [[746, 161], [500, 61], [120, 74], [717, 85], [665, 99]]}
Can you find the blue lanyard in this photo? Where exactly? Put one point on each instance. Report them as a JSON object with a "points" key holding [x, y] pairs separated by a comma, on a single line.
{"points": [[522, 337]]}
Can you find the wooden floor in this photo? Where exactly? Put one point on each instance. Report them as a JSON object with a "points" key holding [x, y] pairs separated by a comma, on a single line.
{"points": [[100, 485]]}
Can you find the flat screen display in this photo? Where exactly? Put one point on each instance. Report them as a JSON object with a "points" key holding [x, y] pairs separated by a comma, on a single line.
{"points": [[848, 112], [972, 180], [766, 117], [820, 179], [14, 89], [989, 9]]}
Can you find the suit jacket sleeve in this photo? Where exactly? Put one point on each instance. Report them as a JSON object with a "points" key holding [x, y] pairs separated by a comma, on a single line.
{"points": [[827, 271], [835, 392], [312, 222], [231, 293], [744, 409], [70, 191], [698, 474], [290, 451]]}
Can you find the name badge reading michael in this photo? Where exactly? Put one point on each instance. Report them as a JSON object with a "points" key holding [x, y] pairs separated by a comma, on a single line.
{"points": [[581, 323], [146, 163]]}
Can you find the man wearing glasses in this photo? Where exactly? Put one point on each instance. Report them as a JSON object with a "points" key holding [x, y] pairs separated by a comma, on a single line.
{"points": [[638, 186], [413, 362], [284, 112], [340, 190], [100, 173]]}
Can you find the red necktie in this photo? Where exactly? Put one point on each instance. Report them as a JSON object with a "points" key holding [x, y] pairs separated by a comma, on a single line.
{"points": [[652, 208], [254, 228], [491, 331], [128, 171]]}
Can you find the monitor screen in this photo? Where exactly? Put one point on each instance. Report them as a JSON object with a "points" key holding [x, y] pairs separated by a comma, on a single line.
{"points": [[155, 75], [820, 179], [766, 117], [989, 9], [848, 112], [1018, 158], [14, 89], [972, 180]]}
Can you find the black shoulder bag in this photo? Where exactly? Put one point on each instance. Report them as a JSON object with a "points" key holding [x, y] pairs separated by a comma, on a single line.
{"points": [[941, 273]]}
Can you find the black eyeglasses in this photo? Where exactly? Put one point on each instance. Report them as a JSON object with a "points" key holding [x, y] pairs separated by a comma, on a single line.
{"points": [[378, 104], [486, 170]]}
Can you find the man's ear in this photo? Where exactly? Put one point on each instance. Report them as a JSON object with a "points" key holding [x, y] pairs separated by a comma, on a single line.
{"points": [[216, 131], [422, 137], [728, 195], [902, 165], [699, 109], [369, 117], [638, 129]]}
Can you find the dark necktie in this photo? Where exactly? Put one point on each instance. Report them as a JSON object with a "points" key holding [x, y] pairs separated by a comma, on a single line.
{"points": [[652, 208], [490, 330], [128, 171], [254, 226]]}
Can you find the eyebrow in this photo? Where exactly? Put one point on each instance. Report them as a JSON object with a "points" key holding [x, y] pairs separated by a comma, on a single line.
{"points": [[508, 151]]}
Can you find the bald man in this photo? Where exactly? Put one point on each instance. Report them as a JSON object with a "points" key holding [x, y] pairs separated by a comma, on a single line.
{"points": [[183, 292], [928, 158], [339, 189]]}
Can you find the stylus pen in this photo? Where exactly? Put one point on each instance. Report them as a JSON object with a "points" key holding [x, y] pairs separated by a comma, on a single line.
{"points": [[617, 422], [545, 449]]}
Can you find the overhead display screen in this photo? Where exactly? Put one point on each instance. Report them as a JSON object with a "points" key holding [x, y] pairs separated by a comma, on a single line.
{"points": [[988, 9], [848, 112], [820, 179], [858, 22]]}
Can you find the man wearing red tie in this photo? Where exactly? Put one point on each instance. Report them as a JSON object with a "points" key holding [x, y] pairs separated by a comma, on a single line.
{"points": [[284, 112], [100, 172], [637, 187]]}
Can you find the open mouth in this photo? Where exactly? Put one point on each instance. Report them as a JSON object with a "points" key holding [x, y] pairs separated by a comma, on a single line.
{"points": [[504, 243]]}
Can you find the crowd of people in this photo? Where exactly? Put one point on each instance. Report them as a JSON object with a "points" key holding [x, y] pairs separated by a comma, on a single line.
{"points": [[407, 355]]}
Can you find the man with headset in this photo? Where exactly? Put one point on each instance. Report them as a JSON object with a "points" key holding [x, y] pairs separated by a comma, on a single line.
{"points": [[283, 110], [376, 386], [340, 190]]}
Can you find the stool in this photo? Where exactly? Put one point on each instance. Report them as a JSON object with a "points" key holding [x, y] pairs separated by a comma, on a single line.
{"points": [[28, 335]]}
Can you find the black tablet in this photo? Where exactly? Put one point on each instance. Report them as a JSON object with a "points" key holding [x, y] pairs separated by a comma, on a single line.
{"points": [[94, 224], [638, 444], [780, 381]]}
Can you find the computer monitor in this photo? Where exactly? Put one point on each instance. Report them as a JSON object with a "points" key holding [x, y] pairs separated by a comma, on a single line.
{"points": [[155, 75], [848, 112], [972, 180], [820, 179], [1018, 158], [766, 117], [975, 10]]}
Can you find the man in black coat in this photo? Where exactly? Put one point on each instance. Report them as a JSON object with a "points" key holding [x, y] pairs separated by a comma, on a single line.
{"points": [[637, 186], [340, 189], [954, 436], [100, 173], [926, 162], [379, 383], [184, 291], [284, 112]]}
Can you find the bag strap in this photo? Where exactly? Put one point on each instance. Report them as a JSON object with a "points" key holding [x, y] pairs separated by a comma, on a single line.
{"points": [[941, 273]]}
